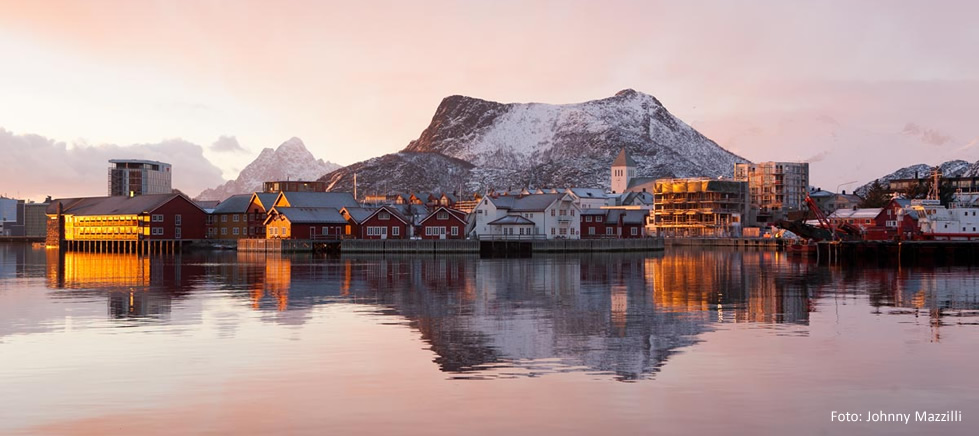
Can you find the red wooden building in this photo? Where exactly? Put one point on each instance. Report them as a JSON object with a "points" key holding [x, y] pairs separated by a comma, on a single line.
{"points": [[443, 223], [384, 223], [305, 223]]}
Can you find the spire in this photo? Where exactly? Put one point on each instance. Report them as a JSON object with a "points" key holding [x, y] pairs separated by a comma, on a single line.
{"points": [[624, 160]]}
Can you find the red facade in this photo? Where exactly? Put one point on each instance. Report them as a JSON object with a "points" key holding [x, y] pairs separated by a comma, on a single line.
{"points": [[178, 218], [384, 223], [593, 226], [443, 223]]}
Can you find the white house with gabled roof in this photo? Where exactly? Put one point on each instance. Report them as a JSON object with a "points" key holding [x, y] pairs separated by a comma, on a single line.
{"points": [[550, 216]]}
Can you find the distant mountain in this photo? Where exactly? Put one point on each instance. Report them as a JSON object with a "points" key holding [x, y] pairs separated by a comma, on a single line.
{"points": [[291, 160], [402, 172], [543, 145], [952, 168]]}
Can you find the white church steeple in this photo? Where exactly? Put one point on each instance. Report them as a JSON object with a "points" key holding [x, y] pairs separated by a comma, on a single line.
{"points": [[623, 170]]}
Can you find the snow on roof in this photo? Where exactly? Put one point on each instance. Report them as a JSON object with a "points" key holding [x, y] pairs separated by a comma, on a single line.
{"points": [[856, 213]]}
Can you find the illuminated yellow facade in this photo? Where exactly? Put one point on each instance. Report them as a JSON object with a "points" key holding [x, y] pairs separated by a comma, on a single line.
{"points": [[103, 228]]}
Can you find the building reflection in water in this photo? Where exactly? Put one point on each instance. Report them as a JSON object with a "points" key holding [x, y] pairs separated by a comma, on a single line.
{"points": [[623, 315], [134, 286]]}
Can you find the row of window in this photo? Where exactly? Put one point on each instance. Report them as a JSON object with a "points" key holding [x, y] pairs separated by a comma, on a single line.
{"points": [[382, 231], [598, 219], [610, 231], [439, 231]]}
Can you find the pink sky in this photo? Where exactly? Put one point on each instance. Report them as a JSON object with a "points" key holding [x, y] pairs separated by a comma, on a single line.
{"points": [[843, 84]]}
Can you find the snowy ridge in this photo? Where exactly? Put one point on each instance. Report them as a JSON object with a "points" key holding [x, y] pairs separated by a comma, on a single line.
{"points": [[535, 144], [291, 160], [952, 168]]}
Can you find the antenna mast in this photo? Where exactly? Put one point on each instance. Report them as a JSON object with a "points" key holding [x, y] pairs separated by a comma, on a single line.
{"points": [[936, 174]]}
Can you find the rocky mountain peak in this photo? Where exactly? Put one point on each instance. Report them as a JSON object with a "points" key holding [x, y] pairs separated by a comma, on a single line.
{"points": [[539, 144], [290, 160]]}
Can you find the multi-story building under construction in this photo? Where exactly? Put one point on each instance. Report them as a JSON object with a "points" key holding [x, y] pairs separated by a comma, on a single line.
{"points": [[775, 189], [699, 207]]}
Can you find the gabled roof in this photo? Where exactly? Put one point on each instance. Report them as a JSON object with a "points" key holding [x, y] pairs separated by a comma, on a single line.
{"points": [[639, 181], [265, 199], [336, 200], [624, 160], [394, 212], [525, 203], [457, 214], [588, 192], [358, 214], [116, 205], [310, 215], [512, 220], [234, 204], [628, 216]]}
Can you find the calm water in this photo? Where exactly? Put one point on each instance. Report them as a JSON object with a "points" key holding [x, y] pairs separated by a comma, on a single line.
{"points": [[686, 342]]}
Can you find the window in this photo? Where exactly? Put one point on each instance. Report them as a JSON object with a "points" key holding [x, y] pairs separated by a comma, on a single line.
{"points": [[552, 212], [159, 231], [521, 230], [234, 218], [610, 230], [177, 235], [598, 219], [635, 231], [563, 212], [383, 216], [396, 231], [455, 230], [591, 230], [234, 231], [157, 218], [224, 231], [326, 230], [224, 218], [442, 215], [564, 231], [572, 212], [587, 218], [552, 228]]}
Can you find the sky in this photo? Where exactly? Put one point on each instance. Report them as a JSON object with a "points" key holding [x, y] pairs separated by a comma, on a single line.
{"points": [[856, 88]]}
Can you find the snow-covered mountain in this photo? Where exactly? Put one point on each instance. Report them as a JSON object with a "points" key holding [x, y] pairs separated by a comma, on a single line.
{"points": [[402, 172], [539, 145], [952, 168], [291, 160]]}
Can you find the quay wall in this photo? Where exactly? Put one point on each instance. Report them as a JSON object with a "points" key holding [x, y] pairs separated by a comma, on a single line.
{"points": [[451, 245], [723, 242]]}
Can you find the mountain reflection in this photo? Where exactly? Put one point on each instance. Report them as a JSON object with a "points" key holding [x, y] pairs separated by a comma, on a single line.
{"points": [[620, 315]]}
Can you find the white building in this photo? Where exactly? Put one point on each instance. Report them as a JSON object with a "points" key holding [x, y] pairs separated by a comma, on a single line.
{"points": [[530, 216], [623, 170]]}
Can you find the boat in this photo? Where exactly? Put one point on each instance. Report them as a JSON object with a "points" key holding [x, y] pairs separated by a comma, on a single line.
{"points": [[940, 223]]}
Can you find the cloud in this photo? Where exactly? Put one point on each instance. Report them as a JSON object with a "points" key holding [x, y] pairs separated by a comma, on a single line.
{"points": [[227, 144], [36, 166], [817, 157], [928, 136]]}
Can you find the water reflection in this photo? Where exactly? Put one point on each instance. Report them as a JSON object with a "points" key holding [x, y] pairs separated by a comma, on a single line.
{"points": [[622, 316]]}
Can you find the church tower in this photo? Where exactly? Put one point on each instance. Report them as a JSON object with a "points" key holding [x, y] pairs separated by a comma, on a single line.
{"points": [[623, 170]]}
